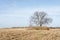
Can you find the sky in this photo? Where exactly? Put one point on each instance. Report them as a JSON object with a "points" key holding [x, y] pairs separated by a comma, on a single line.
{"points": [[16, 13]]}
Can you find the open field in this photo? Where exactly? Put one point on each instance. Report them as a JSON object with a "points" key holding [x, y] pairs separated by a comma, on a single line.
{"points": [[24, 34]]}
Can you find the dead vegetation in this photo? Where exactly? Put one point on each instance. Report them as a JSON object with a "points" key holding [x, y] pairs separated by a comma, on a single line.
{"points": [[16, 34], [38, 28]]}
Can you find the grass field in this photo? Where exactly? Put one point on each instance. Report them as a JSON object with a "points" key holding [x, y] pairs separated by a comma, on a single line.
{"points": [[24, 34]]}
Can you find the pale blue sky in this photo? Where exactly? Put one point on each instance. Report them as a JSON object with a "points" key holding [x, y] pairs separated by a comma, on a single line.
{"points": [[15, 13]]}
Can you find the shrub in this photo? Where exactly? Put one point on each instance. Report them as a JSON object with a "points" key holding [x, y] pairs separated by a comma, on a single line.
{"points": [[38, 28]]}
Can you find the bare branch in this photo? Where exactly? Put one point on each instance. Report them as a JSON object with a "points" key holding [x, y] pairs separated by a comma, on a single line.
{"points": [[39, 18]]}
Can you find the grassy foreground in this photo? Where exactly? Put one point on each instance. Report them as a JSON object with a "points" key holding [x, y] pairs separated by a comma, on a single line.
{"points": [[24, 34]]}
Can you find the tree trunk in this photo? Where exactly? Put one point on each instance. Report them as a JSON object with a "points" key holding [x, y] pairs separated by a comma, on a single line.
{"points": [[40, 25]]}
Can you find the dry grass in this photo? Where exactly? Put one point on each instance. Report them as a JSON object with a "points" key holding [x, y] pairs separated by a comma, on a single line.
{"points": [[19, 34]]}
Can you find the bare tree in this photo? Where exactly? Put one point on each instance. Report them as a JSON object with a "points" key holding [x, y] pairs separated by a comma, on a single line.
{"points": [[40, 18]]}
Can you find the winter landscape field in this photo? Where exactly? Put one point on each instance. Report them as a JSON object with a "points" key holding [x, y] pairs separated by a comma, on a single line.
{"points": [[25, 34]]}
